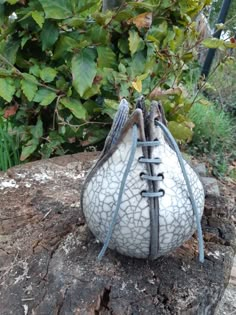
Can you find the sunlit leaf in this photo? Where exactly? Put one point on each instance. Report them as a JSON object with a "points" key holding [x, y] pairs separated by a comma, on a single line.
{"points": [[60, 9], [7, 88], [213, 43], [180, 131], [35, 70], [145, 5], [230, 44], [29, 86], [38, 17], [48, 74], [136, 43], [44, 96], [83, 70], [75, 106], [28, 149], [137, 85], [106, 57]]}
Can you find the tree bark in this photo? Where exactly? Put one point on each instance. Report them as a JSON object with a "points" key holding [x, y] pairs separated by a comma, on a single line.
{"points": [[48, 256]]}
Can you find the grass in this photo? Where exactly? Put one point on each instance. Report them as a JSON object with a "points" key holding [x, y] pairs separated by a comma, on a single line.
{"points": [[223, 85], [9, 152], [214, 136]]}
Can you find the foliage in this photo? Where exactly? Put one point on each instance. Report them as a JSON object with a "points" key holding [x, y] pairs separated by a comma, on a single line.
{"points": [[65, 64], [222, 86], [231, 17], [214, 135], [9, 153]]}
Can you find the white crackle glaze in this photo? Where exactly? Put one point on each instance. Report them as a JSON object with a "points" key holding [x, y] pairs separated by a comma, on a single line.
{"points": [[133, 229]]}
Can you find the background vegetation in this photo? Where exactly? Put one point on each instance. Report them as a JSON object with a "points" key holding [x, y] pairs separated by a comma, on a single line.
{"points": [[64, 65]]}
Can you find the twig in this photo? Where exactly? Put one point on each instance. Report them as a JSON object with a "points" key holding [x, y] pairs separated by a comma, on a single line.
{"points": [[205, 82], [20, 74]]}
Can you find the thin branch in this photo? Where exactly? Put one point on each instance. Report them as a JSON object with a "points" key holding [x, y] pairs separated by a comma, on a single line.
{"points": [[20, 74], [205, 82], [62, 122]]}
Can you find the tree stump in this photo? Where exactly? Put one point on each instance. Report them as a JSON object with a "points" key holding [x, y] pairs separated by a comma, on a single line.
{"points": [[48, 256]]}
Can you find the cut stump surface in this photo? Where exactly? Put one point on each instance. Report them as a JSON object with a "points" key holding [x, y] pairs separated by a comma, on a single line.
{"points": [[48, 256]]}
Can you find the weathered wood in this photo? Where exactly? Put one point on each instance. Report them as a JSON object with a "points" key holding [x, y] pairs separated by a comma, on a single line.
{"points": [[48, 256]]}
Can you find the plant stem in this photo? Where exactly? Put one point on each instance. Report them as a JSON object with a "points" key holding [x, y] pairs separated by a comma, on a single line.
{"points": [[20, 74]]}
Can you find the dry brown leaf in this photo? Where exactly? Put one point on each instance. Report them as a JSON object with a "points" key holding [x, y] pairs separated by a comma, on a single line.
{"points": [[158, 92], [10, 111], [143, 20]]}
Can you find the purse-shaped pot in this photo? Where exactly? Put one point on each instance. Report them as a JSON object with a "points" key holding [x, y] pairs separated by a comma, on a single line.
{"points": [[141, 198]]}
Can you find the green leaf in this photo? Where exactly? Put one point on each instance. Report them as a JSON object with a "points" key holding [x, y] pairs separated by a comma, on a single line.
{"points": [[7, 88], [24, 40], [35, 70], [28, 149], [83, 70], [37, 130], [85, 5], [49, 34], [5, 73], [10, 50], [64, 44], [123, 45], [121, 16], [180, 131], [95, 135], [75, 21], [158, 32], [29, 86], [74, 106], [38, 17], [213, 43], [60, 9], [12, 1], [44, 96], [136, 43], [48, 74], [138, 64], [143, 5], [110, 107], [91, 107], [106, 57], [95, 88], [98, 35], [2, 14], [228, 44], [167, 3]]}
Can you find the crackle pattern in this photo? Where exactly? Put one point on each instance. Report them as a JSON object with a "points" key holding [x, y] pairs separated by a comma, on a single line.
{"points": [[132, 231], [176, 218], [131, 235]]}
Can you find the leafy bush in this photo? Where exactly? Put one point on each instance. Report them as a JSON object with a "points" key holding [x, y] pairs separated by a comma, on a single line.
{"points": [[214, 136], [65, 64]]}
